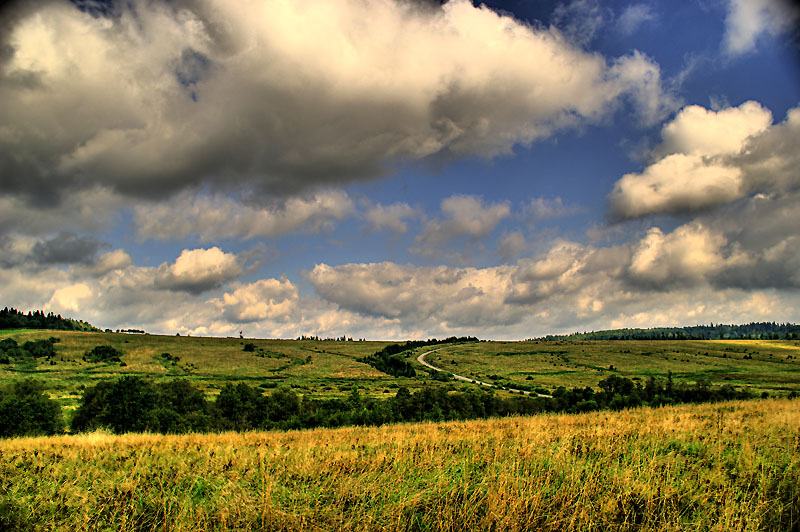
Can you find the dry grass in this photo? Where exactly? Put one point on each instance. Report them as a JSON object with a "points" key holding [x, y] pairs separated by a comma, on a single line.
{"points": [[734, 466]]}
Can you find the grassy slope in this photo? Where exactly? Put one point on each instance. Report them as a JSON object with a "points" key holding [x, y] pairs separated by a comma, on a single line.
{"points": [[333, 370], [208, 362], [774, 367], [733, 466]]}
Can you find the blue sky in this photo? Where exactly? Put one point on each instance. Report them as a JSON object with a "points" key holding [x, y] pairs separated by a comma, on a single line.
{"points": [[386, 169]]}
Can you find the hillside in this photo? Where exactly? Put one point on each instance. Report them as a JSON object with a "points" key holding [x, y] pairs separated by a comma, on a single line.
{"points": [[734, 466], [329, 369]]}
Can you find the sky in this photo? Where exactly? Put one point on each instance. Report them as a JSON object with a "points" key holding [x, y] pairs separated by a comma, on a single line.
{"points": [[397, 169]]}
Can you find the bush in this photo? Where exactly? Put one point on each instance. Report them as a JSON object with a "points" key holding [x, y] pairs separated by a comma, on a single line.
{"points": [[441, 376], [26, 410], [103, 353], [8, 343], [40, 348]]}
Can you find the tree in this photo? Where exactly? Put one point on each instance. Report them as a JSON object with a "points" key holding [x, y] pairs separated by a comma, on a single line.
{"points": [[26, 410], [127, 405]]}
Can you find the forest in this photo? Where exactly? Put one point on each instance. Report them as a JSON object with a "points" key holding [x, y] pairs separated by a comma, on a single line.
{"points": [[11, 318]]}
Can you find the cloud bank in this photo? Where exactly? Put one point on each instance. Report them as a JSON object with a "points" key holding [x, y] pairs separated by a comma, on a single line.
{"points": [[155, 98]]}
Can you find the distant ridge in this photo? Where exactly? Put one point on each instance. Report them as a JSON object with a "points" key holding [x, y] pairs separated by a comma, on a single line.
{"points": [[11, 318], [753, 331]]}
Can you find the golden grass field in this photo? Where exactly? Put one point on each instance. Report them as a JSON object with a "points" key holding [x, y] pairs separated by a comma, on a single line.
{"points": [[720, 467]]}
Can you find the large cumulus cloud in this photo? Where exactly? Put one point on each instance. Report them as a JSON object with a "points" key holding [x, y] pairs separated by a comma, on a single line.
{"points": [[710, 158], [159, 96], [199, 270]]}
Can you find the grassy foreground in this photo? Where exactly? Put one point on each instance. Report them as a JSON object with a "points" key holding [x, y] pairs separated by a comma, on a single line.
{"points": [[731, 466]]}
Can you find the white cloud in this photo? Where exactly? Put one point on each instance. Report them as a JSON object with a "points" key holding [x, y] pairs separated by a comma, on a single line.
{"points": [[677, 183], [748, 20], [512, 245], [267, 299], [110, 261], [198, 270], [392, 217], [544, 209], [688, 255], [464, 216], [634, 17], [699, 131], [725, 266], [580, 20], [325, 92], [639, 79], [69, 298], [222, 217], [709, 158], [447, 297]]}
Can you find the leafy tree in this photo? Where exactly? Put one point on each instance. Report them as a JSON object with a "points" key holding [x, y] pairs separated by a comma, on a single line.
{"points": [[26, 410], [126, 405], [238, 407], [182, 408], [614, 384]]}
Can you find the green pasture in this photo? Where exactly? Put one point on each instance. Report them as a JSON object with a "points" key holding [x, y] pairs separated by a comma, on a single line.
{"points": [[771, 366], [330, 368]]}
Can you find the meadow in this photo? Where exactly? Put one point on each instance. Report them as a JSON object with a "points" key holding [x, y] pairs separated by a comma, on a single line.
{"points": [[325, 369], [771, 366], [726, 466]]}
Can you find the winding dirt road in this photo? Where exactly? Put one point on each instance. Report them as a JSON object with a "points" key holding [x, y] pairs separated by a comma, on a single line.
{"points": [[421, 360]]}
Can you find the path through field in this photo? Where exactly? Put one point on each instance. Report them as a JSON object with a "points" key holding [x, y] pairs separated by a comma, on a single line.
{"points": [[421, 360]]}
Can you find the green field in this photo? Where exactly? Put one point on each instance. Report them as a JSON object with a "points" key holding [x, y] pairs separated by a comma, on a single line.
{"points": [[715, 467], [329, 368], [771, 365]]}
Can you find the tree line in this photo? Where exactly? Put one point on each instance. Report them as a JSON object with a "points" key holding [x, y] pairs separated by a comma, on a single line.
{"points": [[135, 404], [719, 331], [11, 318]]}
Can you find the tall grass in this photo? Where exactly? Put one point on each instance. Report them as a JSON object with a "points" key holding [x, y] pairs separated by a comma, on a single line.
{"points": [[732, 466]]}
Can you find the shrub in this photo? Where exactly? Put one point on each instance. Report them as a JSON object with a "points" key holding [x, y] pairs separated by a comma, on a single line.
{"points": [[25, 410], [103, 353], [40, 348], [8, 343]]}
